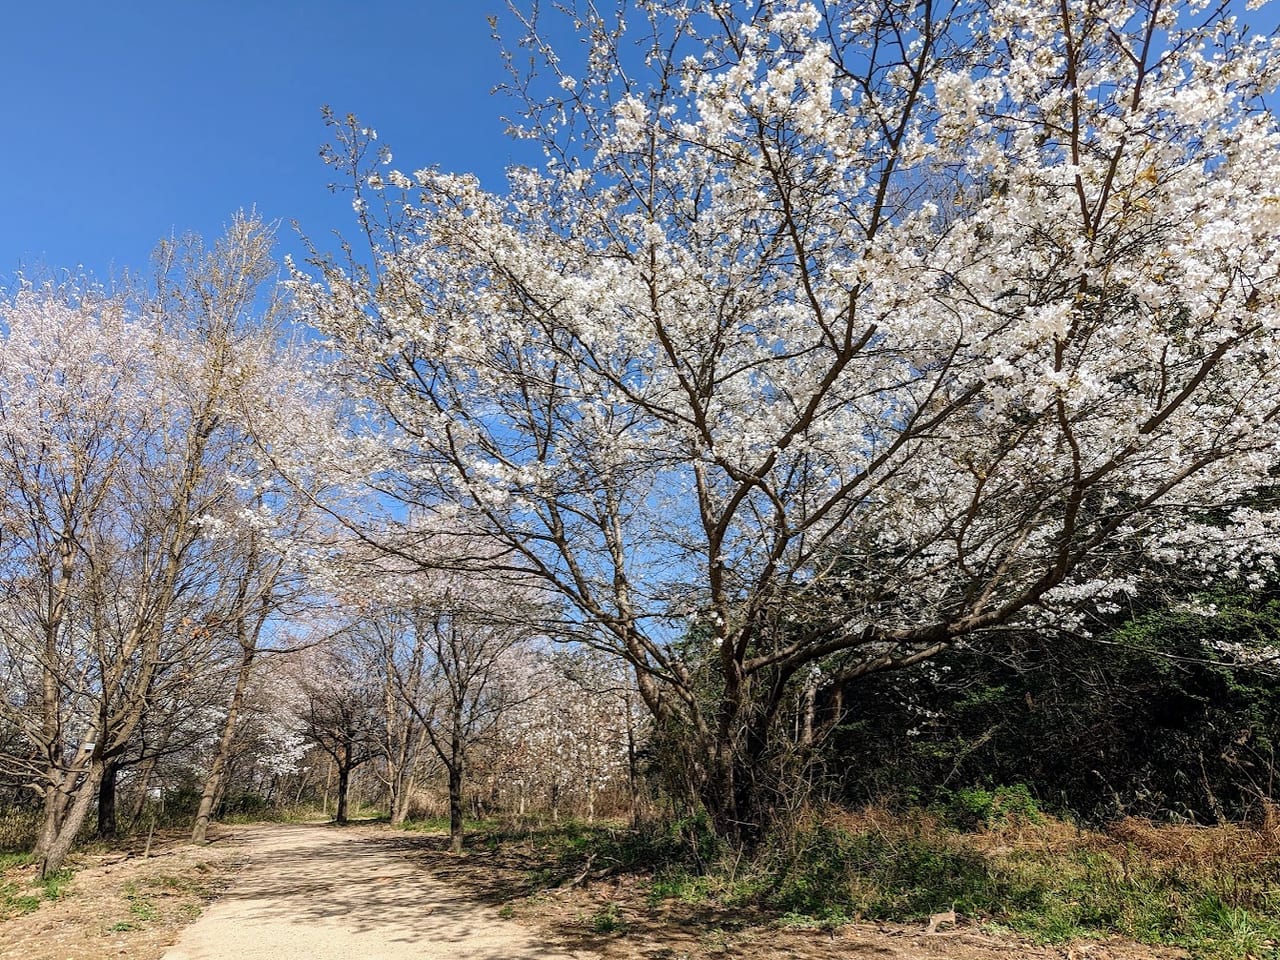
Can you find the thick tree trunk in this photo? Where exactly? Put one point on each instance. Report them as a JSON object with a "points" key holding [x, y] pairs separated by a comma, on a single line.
{"points": [[107, 801], [64, 837], [64, 789], [750, 769], [51, 819], [740, 782]]}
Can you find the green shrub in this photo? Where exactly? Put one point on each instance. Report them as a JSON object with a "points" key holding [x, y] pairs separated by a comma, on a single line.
{"points": [[608, 920], [975, 808], [892, 877]]}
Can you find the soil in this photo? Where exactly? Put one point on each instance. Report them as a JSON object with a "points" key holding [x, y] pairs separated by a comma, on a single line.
{"points": [[316, 892], [324, 893], [120, 903]]}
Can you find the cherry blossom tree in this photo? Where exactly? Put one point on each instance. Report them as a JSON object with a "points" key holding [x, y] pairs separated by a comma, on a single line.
{"points": [[444, 645], [828, 336], [122, 425], [571, 735], [258, 586], [264, 763], [399, 652]]}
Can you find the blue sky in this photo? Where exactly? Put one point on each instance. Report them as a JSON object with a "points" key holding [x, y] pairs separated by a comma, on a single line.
{"points": [[128, 121]]}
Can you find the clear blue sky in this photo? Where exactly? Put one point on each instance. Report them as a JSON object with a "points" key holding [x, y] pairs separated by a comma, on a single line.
{"points": [[131, 120], [127, 121]]}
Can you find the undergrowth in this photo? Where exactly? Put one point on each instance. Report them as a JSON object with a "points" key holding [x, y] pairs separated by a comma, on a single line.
{"points": [[991, 856], [18, 826], [440, 824], [19, 894]]}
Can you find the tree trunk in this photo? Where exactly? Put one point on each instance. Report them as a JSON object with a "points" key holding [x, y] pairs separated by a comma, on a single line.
{"points": [[64, 786], [455, 806], [213, 784], [53, 858], [328, 782], [107, 801], [344, 782], [400, 805], [739, 787], [143, 788], [54, 806], [633, 768]]}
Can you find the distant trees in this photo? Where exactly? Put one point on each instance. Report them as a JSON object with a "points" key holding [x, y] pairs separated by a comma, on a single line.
{"points": [[573, 734], [449, 683], [445, 648], [830, 336], [258, 587], [155, 555], [339, 713]]}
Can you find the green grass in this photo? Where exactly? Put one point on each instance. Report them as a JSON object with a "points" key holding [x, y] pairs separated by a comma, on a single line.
{"points": [[678, 851], [1048, 897], [141, 909], [441, 825], [1040, 879], [10, 860], [54, 886], [607, 920], [195, 886], [303, 813], [18, 897], [14, 902]]}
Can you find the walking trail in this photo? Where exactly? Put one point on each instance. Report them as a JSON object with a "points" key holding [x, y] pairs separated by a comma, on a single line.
{"points": [[318, 893]]}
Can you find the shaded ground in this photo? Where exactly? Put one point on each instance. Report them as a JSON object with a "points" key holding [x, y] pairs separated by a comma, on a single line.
{"points": [[321, 893], [371, 893], [615, 920]]}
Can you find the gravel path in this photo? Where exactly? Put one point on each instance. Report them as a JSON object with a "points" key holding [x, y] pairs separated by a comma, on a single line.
{"points": [[318, 893]]}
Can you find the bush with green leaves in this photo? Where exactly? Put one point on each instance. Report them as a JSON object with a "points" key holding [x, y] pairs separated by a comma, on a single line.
{"points": [[1153, 716], [974, 808]]}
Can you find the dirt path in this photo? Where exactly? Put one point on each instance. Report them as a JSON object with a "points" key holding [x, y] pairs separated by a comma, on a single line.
{"points": [[318, 893]]}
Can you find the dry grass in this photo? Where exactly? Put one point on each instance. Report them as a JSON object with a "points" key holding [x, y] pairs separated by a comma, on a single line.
{"points": [[113, 903], [1229, 846], [1214, 891]]}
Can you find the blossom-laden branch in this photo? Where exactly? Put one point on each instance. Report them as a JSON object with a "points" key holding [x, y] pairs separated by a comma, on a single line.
{"points": [[958, 312]]}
